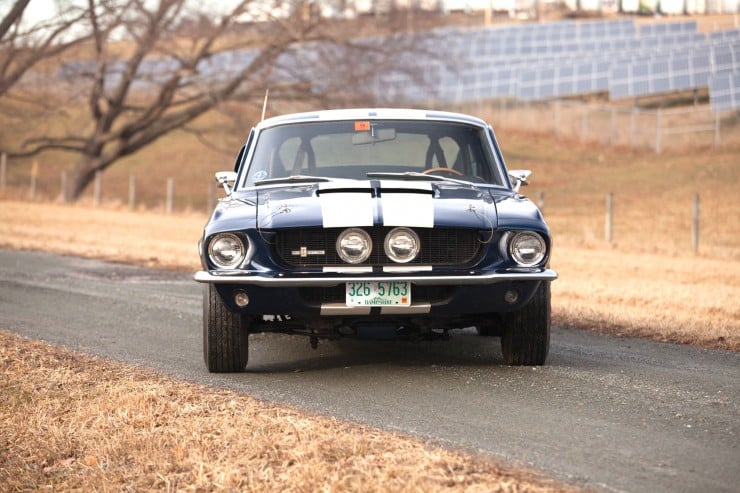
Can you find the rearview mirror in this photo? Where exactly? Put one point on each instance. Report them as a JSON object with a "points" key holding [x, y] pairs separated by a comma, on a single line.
{"points": [[374, 135]]}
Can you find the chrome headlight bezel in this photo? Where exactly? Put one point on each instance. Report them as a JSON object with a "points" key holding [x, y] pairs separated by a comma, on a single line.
{"points": [[357, 239], [525, 248], [218, 250], [409, 234]]}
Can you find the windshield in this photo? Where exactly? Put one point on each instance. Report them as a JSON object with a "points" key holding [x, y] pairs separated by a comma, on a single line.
{"points": [[352, 149]]}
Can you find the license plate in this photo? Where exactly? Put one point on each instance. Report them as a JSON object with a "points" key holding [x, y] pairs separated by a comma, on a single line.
{"points": [[384, 293]]}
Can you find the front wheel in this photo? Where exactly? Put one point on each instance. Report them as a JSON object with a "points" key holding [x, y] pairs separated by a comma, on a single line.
{"points": [[526, 335], [225, 335]]}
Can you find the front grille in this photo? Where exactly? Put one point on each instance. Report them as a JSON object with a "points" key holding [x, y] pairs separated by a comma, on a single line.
{"points": [[439, 247]]}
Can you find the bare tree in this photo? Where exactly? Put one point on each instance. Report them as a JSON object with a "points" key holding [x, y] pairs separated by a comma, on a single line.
{"points": [[178, 67], [23, 45]]}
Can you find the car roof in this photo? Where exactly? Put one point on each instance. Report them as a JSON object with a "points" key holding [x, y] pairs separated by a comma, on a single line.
{"points": [[371, 114]]}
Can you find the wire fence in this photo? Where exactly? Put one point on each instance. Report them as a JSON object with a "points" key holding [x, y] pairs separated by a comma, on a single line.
{"points": [[552, 204], [657, 129], [34, 186]]}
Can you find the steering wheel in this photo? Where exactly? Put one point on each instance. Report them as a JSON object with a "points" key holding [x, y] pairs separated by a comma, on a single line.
{"points": [[442, 170]]}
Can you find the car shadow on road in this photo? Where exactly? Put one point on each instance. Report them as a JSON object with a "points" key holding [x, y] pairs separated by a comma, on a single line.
{"points": [[271, 353]]}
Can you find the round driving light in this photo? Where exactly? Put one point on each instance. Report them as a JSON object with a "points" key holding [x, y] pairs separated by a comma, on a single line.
{"points": [[241, 299], [511, 296], [527, 248], [402, 245], [354, 245], [226, 250]]}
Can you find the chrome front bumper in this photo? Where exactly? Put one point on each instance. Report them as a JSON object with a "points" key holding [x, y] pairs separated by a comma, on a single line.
{"points": [[280, 280]]}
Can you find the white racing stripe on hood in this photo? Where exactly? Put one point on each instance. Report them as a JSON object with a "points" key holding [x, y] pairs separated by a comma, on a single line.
{"points": [[343, 210], [407, 209]]}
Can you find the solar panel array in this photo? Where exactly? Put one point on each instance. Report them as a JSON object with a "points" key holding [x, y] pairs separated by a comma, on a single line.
{"points": [[676, 70], [536, 62], [527, 62]]}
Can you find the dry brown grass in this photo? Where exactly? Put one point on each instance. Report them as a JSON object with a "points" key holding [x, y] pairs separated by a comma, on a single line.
{"points": [[684, 299], [70, 422], [144, 238]]}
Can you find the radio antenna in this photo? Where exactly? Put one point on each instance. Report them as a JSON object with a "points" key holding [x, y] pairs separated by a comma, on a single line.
{"points": [[264, 103]]}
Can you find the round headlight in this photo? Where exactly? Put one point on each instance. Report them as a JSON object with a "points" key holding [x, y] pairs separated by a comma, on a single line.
{"points": [[354, 245], [527, 248], [402, 245], [226, 250]]}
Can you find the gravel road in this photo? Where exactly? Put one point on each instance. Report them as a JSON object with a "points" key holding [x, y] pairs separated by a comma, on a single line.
{"points": [[607, 413]]}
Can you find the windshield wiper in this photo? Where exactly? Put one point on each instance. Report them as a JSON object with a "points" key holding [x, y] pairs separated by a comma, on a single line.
{"points": [[291, 179], [415, 176]]}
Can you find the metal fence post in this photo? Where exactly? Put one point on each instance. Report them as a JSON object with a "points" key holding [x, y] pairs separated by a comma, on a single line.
{"points": [[211, 197], [34, 178], [658, 131], [613, 129], [98, 189], [716, 129], [170, 194], [132, 192], [695, 228], [584, 123], [608, 226], [3, 171], [63, 187]]}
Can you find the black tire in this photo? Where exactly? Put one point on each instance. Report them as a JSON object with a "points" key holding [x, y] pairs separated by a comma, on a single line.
{"points": [[526, 338], [225, 335]]}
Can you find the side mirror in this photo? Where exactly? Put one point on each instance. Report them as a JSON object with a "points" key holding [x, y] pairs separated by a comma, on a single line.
{"points": [[226, 179], [519, 177]]}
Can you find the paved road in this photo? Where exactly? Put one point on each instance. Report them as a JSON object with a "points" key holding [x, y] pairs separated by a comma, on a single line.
{"points": [[606, 413]]}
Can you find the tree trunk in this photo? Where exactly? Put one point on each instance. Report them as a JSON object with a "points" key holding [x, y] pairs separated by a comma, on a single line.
{"points": [[83, 175]]}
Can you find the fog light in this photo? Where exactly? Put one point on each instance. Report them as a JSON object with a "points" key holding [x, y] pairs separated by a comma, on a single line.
{"points": [[402, 245], [511, 296], [354, 245], [241, 299]]}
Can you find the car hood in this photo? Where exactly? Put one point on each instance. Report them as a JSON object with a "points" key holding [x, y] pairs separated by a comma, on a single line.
{"points": [[379, 202]]}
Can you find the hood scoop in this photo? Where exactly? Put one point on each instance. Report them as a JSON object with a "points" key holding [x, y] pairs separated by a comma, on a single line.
{"points": [[344, 186], [400, 186]]}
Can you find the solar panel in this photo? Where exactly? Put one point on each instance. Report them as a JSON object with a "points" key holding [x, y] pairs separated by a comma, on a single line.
{"points": [[660, 84], [563, 87], [546, 90], [724, 92], [566, 71], [729, 35], [722, 59], [680, 70]]}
